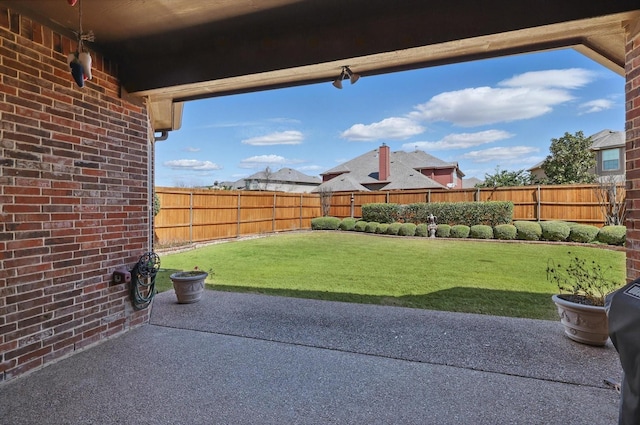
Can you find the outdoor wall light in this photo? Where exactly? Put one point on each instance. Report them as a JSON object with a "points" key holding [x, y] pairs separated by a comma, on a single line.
{"points": [[346, 73]]}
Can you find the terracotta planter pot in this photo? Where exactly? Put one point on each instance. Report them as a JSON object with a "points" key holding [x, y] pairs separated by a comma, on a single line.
{"points": [[583, 323], [188, 285]]}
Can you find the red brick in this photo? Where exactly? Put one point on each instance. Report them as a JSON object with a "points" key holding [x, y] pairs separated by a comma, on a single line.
{"points": [[71, 159]]}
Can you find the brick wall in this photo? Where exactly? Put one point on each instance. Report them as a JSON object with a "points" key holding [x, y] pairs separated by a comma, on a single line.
{"points": [[632, 90], [73, 199]]}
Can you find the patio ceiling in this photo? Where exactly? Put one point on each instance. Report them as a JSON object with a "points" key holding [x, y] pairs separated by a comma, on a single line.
{"points": [[172, 51]]}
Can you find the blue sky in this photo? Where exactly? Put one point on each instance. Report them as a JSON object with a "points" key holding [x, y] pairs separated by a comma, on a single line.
{"points": [[492, 113]]}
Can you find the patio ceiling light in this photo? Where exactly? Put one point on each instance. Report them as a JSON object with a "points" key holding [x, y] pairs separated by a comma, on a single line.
{"points": [[346, 73]]}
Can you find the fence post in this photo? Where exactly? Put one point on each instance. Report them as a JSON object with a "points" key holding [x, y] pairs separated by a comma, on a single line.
{"points": [[478, 195], [191, 217], [300, 211], [387, 198], [538, 204], [353, 207], [429, 196], [273, 213], [238, 219]]}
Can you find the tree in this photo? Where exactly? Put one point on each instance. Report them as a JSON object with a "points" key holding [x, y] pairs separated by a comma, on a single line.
{"points": [[571, 160], [507, 178], [325, 200], [612, 198]]}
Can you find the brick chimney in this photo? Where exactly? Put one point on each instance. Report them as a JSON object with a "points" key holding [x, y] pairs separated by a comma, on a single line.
{"points": [[384, 163]]}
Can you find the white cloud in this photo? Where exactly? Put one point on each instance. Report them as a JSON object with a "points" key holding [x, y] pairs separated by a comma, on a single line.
{"points": [[191, 164], [262, 161], [389, 128], [291, 137], [571, 78], [460, 140], [487, 105], [523, 96], [191, 149], [513, 154], [596, 106]]}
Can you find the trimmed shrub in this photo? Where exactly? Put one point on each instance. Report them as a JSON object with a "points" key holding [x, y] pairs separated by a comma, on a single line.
{"points": [[393, 228], [460, 231], [371, 227], [505, 232], [422, 230], [347, 224], [612, 235], [381, 213], [583, 233], [360, 226], [382, 228], [557, 231], [325, 223], [407, 229], [481, 231], [490, 213], [443, 231], [528, 230]]}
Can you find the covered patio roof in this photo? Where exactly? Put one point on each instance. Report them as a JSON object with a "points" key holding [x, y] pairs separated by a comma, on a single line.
{"points": [[173, 51]]}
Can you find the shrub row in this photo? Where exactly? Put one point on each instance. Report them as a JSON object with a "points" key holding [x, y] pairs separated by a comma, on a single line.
{"points": [[519, 230], [467, 213]]}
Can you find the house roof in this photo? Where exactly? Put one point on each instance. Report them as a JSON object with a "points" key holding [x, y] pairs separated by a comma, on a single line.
{"points": [[404, 173], [420, 159], [342, 183], [288, 175], [471, 182], [607, 139]]}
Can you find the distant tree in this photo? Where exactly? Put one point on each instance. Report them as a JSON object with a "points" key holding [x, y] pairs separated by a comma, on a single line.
{"points": [[571, 160], [507, 178], [268, 175], [325, 200], [612, 199]]}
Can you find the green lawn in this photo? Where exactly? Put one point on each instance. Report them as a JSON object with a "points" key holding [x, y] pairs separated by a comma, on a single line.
{"points": [[503, 279]]}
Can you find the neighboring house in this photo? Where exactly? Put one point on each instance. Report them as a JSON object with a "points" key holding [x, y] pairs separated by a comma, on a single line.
{"points": [[381, 169], [283, 180], [609, 147], [471, 182]]}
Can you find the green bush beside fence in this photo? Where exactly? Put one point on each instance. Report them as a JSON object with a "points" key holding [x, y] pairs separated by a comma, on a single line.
{"points": [[325, 223], [528, 230], [481, 231], [407, 229], [553, 230], [583, 233], [348, 224], [506, 232], [612, 235], [489, 213]]}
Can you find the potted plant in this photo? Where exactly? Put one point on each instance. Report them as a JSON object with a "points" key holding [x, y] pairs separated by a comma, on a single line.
{"points": [[583, 287], [189, 285]]}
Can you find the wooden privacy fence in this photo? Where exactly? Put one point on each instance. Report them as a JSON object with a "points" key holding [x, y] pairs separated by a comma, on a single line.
{"points": [[188, 215], [576, 203]]}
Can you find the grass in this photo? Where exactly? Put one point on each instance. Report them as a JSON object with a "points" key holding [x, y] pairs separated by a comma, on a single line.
{"points": [[502, 279]]}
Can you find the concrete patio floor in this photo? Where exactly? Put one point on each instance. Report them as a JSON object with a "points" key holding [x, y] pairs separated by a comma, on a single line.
{"points": [[254, 359]]}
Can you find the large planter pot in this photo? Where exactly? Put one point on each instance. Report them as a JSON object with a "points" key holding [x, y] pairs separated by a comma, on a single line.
{"points": [[188, 285], [583, 323]]}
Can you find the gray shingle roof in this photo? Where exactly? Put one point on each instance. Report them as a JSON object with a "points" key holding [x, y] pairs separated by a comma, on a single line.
{"points": [[363, 170], [607, 139], [285, 175], [341, 183]]}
